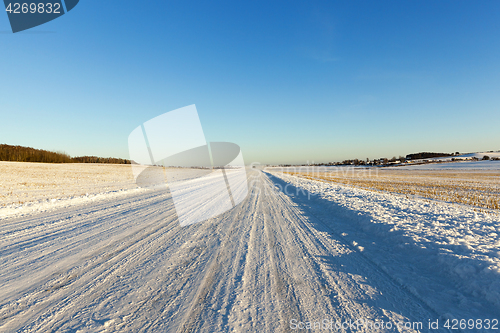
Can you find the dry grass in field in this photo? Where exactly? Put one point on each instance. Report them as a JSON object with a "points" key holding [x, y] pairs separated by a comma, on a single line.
{"points": [[474, 188]]}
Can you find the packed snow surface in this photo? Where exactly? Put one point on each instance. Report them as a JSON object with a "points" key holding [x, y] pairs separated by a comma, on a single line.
{"points": [[293, 251]]}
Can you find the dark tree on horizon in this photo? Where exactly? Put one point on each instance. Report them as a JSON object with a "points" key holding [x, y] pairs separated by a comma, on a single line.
{"points": [[28, 154]]}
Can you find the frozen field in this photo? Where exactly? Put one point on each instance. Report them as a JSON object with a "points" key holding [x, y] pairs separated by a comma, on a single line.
{"points": [[465, 165], [294, 251], [472, 187], [30, 188], [27, 188]]}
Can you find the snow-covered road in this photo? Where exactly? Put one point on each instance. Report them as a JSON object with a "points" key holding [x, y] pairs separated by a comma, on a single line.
{"points": [[272, 264]]}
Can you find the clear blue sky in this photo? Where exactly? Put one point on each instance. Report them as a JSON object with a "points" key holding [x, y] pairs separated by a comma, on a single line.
{"points": [[289, 81]]}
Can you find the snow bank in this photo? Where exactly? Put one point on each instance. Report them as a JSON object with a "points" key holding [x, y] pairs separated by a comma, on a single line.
{"points": [[35, 207], [457, 242]]}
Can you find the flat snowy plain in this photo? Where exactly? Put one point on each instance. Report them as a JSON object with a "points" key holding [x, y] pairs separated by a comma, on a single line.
{"points": [[295, 251]]}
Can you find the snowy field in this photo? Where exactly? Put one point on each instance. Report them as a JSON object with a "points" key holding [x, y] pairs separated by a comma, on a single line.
{"points": [[465, 165], [472, 187], [295, 251], [27, 188], [30, 188]]}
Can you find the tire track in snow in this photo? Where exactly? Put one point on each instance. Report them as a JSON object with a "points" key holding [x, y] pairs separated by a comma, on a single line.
{"points": [[199, 309], [95, 268], [253, 268], [399, 297]]}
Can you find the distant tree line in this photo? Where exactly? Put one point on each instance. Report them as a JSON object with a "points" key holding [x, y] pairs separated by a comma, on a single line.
{"points": [[27, 154], [424, 155], [95, 159], [380, 161]]}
